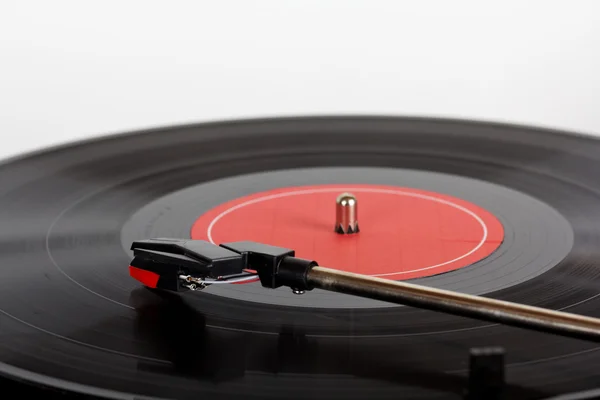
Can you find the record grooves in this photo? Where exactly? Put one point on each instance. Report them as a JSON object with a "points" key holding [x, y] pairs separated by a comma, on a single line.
{"points": [[71, 314]]}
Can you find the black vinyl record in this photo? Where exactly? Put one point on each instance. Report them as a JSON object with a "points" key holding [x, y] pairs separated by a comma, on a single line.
{"points": [[74, 321]]}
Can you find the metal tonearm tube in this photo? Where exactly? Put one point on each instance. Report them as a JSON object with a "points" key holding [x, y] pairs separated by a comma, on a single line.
{"points": [[478, 307]]}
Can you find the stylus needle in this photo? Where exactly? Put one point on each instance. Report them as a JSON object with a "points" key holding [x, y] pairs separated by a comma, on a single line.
{"points": [[525, 316]]}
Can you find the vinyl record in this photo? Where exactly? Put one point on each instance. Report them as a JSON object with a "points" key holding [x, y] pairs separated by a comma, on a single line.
{"points": [[496, 210]]}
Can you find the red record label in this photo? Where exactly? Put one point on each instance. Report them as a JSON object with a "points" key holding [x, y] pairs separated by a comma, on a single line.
{"points": [[404, 233]]}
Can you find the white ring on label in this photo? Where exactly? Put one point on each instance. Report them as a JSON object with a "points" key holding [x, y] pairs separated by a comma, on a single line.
{"points": [[368, 190]]}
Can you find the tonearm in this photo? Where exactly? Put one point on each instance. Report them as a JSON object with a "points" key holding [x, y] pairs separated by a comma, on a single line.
{"points": [[188, 265]]}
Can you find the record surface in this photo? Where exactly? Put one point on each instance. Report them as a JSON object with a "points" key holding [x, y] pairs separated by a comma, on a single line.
{"points": [[496, 210]]}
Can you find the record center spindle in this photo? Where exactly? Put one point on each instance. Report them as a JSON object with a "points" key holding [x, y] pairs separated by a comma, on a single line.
{"points": [[346, 214]]}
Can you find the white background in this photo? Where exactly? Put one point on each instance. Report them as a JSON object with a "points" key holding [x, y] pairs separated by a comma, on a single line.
{"points": [[76, 69]]}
